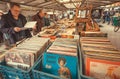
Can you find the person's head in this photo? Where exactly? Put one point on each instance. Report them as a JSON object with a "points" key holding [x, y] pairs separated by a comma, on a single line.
{"points": [[41, 13], [15, 9], [61, 61], [46, 15], [112, 9]]}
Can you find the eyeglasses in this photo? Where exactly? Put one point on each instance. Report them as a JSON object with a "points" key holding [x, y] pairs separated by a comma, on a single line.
{"points": [[16, 11]]}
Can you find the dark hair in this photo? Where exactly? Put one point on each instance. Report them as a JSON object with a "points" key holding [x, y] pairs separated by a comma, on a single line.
{"points": [[63, 59], [14, 4], [40, 10], [45, 13]]}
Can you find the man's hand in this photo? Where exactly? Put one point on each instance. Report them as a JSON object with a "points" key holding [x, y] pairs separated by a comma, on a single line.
{"points": [[34, 28], [17, 29]]}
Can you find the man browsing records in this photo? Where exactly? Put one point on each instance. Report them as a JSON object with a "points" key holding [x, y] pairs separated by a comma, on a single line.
{"points": [[12, 22], [39, 17]]}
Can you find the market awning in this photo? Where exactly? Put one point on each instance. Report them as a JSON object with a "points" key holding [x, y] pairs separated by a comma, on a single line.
{"points": [[61, 4]]}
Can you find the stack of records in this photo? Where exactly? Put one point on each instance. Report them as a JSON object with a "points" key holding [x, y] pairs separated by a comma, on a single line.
{"points": [[95, 39], [67, 33], [64, 46], [22, 59], [35, 44], [61, 59], [93, 34], [102, 59], [47, 33], [24, 55]]}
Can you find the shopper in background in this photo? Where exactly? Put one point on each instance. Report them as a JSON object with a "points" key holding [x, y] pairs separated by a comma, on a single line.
{"points": [[1, 34], [40, 22], [96, 14], [12, 22], [112, 13], [108, 16], [46, 20], [116, 18], [104, 16]]}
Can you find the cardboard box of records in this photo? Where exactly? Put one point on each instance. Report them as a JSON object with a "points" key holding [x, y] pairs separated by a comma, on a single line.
{"points": [[61, 58], [102, 59], [24, 55]]}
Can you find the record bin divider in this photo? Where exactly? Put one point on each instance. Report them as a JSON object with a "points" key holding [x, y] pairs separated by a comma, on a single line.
{"points": [[37, 74], [81, 64]]}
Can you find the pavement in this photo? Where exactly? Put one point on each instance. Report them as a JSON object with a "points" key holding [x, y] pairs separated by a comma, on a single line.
{"points": [[114, 37]]}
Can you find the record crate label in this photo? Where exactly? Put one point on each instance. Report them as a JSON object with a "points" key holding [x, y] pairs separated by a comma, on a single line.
{"points": [[102, 69], [60, 65]]}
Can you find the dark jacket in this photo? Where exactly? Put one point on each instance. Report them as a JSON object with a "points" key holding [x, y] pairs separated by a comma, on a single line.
{"points": [[1, 34], [46, 21], [8, 24], [39, 24]]}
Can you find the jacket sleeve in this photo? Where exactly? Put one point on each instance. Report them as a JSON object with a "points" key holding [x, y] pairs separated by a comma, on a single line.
{"points": [[33, 18], [27, 32], [4, 26]]}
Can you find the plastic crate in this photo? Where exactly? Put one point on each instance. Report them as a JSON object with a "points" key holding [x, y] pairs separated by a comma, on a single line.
{"points": [[14, 73], [2, 76], [81, 64], [39, 74], [2, 72]]}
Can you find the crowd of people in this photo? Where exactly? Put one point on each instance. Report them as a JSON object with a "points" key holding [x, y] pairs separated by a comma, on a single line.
{"points": [[106, 16], [12, 22]]}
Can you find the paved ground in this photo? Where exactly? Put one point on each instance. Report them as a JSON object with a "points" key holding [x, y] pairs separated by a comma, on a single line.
{"points": [[114, 37]]}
